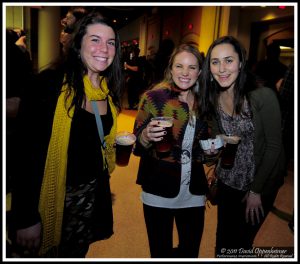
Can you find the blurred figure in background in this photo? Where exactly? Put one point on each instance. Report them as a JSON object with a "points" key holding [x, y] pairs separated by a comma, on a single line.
{"points": [[68, 22], [286, 99], [19, 75], [134, 67], [162, 59], [271, 71]]}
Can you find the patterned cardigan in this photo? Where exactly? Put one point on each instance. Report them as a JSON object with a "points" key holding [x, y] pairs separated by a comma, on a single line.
{"points": [[162, 175]]}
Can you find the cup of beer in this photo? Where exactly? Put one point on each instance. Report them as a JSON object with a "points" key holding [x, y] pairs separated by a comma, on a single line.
{"points": [[229, 151], [124, 144], [165, 144]]}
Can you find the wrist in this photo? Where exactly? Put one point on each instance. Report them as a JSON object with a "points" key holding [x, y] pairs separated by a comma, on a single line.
{"points": [[144, 141]]}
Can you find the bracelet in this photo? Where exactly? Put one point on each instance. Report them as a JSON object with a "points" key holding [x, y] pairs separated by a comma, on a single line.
{"points": [[253, 192]]}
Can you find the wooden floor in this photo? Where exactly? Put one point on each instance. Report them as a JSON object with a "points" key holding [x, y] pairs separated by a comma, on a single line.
{"points": [[130, 239]]}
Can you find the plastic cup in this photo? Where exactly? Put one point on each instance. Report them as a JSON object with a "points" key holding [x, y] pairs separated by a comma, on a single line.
{"points": [[165, 144], [229, 151], [124, 145]]}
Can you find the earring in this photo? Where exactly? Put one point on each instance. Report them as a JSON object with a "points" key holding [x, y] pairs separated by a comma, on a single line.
{"points": [[211, 78]]}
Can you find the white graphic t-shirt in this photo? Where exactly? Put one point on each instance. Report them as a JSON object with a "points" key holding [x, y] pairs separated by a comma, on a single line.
{"points": [[184, 198]]}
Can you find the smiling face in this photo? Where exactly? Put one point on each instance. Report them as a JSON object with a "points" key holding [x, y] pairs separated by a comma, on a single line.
{"points": [[224, 65], [98, 48], [185, 70]]}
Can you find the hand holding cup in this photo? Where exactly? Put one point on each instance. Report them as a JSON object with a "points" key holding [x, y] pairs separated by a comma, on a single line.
{"points": [[159, 131]]}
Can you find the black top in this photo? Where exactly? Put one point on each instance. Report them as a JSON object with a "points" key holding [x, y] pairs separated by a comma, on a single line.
{"points": [[85, 160]]}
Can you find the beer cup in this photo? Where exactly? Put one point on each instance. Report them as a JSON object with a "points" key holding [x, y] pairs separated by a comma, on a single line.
{"points": [[165, 144], [229, 151], [124, 145]]}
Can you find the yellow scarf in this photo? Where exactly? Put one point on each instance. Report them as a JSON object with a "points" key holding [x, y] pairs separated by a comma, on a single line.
{"points": [[52, 196]]}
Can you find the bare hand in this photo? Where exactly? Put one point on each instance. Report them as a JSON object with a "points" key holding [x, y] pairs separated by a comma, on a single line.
{"points": [[154, 132], [211, 151], [254, 208], [30, 237], [21, 42]]}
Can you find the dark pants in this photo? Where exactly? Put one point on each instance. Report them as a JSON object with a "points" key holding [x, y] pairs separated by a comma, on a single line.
{"points": [[159, 223], [135, 87], [232, 230]]}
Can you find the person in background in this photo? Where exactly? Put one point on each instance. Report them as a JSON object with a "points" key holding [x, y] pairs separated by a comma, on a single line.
{"points": [[286, 99], [162, 58], [19, 75], [239, 107], [270, 70], [135, 84], [173, 185], [61, 199], [73, 15]]}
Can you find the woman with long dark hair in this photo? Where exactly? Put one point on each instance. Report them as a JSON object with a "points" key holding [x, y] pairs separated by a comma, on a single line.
{"points": [[240, 107], [61, 201]]}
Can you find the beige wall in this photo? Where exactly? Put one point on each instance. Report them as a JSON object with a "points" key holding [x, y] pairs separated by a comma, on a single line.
{"points": [[208, 26], [14, 17], [48, 35]]}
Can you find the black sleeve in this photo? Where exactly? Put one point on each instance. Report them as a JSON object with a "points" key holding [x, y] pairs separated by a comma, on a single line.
{"points": [[35, 124]]}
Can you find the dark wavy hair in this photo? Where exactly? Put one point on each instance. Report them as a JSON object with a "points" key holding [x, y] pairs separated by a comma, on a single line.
{"points": [[75, 69], [78, 12], [210, 88]]}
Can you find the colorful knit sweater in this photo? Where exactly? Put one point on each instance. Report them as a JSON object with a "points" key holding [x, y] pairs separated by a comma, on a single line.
{"points": [[161, 175]]}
